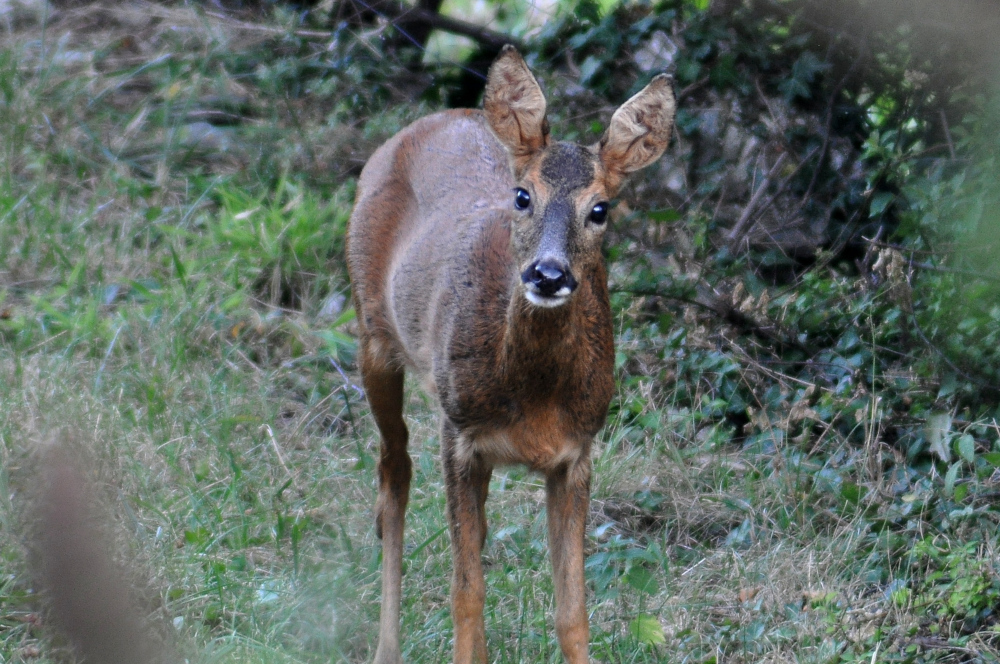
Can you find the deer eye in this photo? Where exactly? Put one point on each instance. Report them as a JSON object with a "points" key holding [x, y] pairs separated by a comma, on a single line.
{"points": [[522, 199], [599, 214]]}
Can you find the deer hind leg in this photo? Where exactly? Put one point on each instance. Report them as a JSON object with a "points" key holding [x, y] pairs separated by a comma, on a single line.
{"points": [[467, 478], [568, 499], [384, 388]]}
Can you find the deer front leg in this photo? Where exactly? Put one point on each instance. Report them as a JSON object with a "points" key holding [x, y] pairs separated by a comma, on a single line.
{"points": [[467, 479], [568, 499]]}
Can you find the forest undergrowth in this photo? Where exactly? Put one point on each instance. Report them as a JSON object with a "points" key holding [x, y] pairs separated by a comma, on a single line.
{"points": [[801, 460]]}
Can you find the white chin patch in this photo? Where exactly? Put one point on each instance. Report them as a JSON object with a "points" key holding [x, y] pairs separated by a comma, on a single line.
{"points": [[547, 302]]}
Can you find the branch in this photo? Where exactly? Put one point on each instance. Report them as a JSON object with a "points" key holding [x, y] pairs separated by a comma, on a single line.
{"points": [[402, 15], [736, 234], [398, 14], [712, 303]]}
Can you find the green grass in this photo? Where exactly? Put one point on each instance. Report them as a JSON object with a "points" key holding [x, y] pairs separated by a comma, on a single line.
{"points": [[178, 307]]}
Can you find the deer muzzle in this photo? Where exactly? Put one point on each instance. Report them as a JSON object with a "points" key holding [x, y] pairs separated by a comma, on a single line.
{"points": [[548, 282]]}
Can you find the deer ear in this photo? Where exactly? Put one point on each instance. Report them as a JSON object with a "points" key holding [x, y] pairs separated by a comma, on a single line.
{"points": [[639, 131], [515, 105]]}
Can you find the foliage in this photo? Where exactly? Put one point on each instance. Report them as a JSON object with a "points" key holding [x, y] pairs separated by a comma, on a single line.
{"points": [[801, 461], [881, 328], [912, 321], [956, 583]]}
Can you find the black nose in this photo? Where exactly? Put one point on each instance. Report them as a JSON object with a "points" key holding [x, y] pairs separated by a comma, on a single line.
{"points": [[548, 277]]}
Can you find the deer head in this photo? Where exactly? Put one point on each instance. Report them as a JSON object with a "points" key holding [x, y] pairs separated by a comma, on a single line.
{"points": [[561, 200]]}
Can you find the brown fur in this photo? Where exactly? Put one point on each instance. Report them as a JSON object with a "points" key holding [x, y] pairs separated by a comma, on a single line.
{"points": [[436, 253]]}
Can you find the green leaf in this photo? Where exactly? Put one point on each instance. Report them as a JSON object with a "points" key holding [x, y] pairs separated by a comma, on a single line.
{"points": [[179, 266], [199, 536], [233, 301], [664, 216], [992, 458], [642, 580], [950, 477], [852, 493], [606, 6], [588, 68], [423, 545], [936, 430], [202, 469], [880, 202], [347, 316], [647, 629], [901, 596], [949, 383], [966, 447]]}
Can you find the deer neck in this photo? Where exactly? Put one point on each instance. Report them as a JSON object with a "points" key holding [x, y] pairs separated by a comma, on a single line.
{"points": [[538, 338]]}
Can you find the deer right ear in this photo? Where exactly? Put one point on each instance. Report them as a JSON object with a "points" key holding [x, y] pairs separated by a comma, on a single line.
{"points": [[515, 106]]}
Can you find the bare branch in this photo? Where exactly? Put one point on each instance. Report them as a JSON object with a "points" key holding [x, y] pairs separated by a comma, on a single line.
{"points": [[736, 234], [402, 15], [397, 13]]}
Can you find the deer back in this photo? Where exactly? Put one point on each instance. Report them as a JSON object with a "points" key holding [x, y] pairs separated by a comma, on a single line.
{"points": [[410, 197]]}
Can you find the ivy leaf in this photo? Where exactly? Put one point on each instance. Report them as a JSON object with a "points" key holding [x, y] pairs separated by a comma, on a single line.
{"points": [[880, 202], [803, 74]]}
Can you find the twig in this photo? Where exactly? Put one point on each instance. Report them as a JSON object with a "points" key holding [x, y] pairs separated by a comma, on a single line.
{"points": [[277, 451], [947, 134], [771, 373], [930, 267], [936, 251], [994, 389], [684, 92], [716, 305], [781, 188], [254, 27], [107, 354], [347, 381], [956, 270], [829, 125], [736, 234], [941, 644]]}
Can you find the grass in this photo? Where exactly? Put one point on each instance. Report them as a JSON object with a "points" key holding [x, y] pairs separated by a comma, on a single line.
{"points": [[173, 300]]}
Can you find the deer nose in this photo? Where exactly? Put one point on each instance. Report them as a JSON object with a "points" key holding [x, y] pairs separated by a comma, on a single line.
{"points": [[549, 278]]}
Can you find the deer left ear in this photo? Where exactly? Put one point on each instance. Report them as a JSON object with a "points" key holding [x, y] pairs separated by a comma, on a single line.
{"points": [[639, 131]]}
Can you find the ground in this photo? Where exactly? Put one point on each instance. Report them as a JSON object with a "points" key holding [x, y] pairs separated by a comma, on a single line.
{"points": [[173, 304]]}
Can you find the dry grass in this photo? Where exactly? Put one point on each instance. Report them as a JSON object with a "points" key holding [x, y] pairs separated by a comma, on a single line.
{"points": [[236, 457]]}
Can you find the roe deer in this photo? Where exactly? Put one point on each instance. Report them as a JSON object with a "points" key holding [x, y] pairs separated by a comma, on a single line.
{"points": [[474, 251]]}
